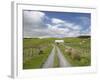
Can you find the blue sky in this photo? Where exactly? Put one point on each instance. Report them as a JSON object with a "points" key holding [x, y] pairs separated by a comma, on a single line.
{"points": [[56, 24]]}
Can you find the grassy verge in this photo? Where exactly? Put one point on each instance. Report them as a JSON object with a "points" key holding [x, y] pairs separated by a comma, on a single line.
{"points": [[83, 49], [35, 57], [84, 61], [37, 61]]}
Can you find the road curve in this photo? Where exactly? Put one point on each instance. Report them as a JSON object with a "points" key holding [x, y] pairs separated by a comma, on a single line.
{"points": [[50, 60], [62, 60]]}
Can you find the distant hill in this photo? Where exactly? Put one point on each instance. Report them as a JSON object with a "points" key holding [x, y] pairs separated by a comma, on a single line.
{"points": [[84, 36]]}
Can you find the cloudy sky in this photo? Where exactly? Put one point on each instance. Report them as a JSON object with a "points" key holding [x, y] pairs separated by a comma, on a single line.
{"points": [[55, 24]]}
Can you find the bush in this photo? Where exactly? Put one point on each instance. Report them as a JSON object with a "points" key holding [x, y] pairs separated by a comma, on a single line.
{"points": [[41, 52], [68, 50], [75, 54]]}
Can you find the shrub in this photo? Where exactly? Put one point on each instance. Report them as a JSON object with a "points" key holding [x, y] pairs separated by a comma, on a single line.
{"points": [[75, 54], [68, 50], [41, 52]]}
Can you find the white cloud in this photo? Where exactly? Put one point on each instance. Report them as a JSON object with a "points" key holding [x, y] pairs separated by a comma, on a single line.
{"points": [[33, 20], [56, 21], [64, 28], [34, 26], [77, 27], [33, 16]]}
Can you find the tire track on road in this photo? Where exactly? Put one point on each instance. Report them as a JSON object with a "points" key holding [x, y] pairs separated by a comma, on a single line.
{"points": [[62, 60], [50, 60]]}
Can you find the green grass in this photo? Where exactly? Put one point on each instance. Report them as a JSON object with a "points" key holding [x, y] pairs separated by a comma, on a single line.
{"points": [[35, 62], [32, 57], [83, 49]]}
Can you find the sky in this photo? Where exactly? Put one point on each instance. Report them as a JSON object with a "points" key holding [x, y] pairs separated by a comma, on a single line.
{"points": [[45, 24]]}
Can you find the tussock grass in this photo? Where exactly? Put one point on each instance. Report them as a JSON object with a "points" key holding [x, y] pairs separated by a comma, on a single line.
{"points": [[80, 56]]}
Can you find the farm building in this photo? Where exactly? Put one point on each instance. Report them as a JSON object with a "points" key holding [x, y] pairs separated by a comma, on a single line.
{"points": [[59, 41]]}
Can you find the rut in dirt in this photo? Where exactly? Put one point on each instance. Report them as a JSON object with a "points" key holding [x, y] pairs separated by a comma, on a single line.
{"points": [[49, 63]]}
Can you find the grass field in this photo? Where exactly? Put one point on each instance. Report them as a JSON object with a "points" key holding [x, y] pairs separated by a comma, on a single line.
{"points": [[82, 48], [36, 51]]}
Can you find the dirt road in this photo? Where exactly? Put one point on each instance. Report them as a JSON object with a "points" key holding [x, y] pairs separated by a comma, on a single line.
{"points": [[50, 60], [62, 60]]}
